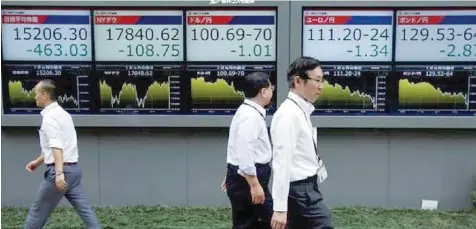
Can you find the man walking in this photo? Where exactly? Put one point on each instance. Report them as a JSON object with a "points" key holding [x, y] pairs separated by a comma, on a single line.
{"points": [[59, 152], [297, 166], [248, 156]]}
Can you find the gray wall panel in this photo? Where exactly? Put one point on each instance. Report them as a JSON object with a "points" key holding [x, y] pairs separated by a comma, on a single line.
{"points": [[184, 167], [142, 169], [18, 148], [435, 166], [348, 156], [206, 168]]}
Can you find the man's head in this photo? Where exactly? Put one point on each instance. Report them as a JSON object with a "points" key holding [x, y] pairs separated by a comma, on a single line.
{"points": [[45, 93], [258, 88], [305, 78]]}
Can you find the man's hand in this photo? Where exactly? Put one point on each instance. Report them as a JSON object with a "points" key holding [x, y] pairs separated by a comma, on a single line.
{"points": [[223, 185], [61, 183], [257, 194], [32, 165], [279, 220]]}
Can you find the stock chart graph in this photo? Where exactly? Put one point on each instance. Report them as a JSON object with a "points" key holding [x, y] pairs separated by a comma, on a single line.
{"points": [[139, 88], [219, 88], [353, 89], [435, 90], [71, 82]]}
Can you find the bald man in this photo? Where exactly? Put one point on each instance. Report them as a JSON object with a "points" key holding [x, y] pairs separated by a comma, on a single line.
{"points": [[59, 152]]}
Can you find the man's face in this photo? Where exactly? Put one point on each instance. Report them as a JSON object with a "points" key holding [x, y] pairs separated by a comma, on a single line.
{"points": [[314, 86], [40, 96], [267, 93]]}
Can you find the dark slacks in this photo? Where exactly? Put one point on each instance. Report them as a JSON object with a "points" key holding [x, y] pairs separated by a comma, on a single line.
{"points": [[245, 214], [305, 207], [48, 197]]}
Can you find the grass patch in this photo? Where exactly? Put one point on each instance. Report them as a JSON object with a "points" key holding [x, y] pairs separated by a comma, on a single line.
{"points": [[208, 218]]}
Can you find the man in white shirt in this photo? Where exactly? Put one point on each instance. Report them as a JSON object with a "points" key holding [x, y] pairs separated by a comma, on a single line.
{"points": [[59, 152], [248, 156], [296, 163]]}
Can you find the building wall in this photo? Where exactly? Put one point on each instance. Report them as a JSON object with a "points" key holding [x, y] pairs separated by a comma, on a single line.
{"points": [[180, 162], [184, 167]]}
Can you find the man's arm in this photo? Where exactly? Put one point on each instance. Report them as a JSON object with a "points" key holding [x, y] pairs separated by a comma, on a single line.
{"points": [[246, 135], [52, 129], [284, 137], [40, 159]]}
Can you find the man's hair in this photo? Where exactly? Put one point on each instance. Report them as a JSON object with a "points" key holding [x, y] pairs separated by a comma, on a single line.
{"points": [[49, 87], [254, 82], [300, 67]]}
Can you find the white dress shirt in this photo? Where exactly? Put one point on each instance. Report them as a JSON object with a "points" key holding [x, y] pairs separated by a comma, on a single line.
{"points": [[57, 131], [294, 155], [248, 141]]}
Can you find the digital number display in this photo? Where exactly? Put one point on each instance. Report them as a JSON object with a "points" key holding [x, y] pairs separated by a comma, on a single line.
{"points": [[348, 35], [436, 90], [138, 35], [231, 35], [429, 35], [139, 89], [46, 35], [353, 89], [71, 82], [217, 89]]}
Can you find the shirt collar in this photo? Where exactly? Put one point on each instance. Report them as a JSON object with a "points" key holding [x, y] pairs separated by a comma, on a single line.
{"points": [[305, 105], [257, 106], [49, 107]]}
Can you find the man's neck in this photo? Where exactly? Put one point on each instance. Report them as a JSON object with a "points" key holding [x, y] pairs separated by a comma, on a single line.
{"points": [[300, 94], [257, 101], [48, 103]]}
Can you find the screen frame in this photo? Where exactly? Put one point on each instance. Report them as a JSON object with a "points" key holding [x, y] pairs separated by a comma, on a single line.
{"points": [[287, 15]]}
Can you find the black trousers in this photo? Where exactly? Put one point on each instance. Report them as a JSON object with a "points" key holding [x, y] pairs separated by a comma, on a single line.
{"points": [[245, 214], [305, 207]]}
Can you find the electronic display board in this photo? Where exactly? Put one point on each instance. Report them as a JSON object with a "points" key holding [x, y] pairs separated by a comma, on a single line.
{"points": [[345, 35], [71, 80], [436, 90], [138, 35], [139, 88], [46, 35], [436, 35], [231, 35], [217, 89], [353, 89]]}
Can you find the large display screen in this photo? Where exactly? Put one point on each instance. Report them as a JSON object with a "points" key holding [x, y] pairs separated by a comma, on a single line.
{"points": [[348, 35], [436, 35], [138, 35], [227, 35], [139, 89], [436, 90], [71, 81], [217, 89], [353, 89], [46, 35]]}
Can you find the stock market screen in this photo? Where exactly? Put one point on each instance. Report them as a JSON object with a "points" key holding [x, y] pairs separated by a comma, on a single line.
{"points": [[139, 88], [348, 35], [217, 89], [71, 80], [354, 89], [46, 35], [436, 90]]}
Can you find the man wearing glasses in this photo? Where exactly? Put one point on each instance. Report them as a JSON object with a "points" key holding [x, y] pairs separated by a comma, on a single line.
{"points": [[297, 167]]}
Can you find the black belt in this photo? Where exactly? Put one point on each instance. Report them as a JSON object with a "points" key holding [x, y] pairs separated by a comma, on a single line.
{"points": [[65, 163], [257, 165], [309, 180]]}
